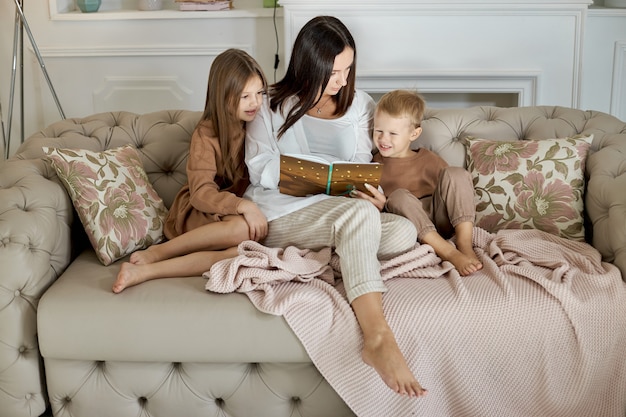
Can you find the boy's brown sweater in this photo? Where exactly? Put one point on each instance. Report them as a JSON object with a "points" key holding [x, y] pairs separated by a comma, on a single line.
{"points": [[417, 173]]}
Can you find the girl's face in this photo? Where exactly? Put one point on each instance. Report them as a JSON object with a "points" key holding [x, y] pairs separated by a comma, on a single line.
{"points": [[341, 70], [393, 135], [250, 99]]}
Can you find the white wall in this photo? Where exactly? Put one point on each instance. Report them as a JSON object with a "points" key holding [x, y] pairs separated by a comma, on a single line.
{"points": [[120, 58], [551, 52], [604, 78]]}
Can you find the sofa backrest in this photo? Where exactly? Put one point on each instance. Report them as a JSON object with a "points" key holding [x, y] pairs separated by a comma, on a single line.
{"points": [[605, 168], [444, 129], [162, 139]]}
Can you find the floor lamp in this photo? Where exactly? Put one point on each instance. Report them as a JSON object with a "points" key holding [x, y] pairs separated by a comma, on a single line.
{"points": [[21, 25]]}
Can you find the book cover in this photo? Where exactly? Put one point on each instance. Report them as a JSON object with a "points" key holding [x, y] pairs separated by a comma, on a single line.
{"points": [[302, 175]]}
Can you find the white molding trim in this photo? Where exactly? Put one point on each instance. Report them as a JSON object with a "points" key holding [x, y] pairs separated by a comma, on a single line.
{"points": [[577, 65], [618, 86], [523, 83], [606, 12], [138, 50], [125, 90], [421, 4]]}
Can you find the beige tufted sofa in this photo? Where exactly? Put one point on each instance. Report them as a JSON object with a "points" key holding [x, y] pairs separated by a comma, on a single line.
{"points": [[168, 347]]}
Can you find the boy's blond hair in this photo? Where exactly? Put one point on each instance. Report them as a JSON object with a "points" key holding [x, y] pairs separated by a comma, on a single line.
{"points": [[403, 103]]}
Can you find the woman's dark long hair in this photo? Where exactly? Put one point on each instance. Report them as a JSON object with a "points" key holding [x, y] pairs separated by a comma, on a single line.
{"points": [[319, 41], [230, 72]]}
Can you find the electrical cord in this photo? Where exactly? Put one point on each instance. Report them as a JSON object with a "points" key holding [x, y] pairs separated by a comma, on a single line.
{"points": [[276, 58]]}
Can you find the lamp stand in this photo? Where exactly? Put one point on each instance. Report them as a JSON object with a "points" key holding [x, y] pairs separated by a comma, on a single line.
{"points": [[21, 25]]}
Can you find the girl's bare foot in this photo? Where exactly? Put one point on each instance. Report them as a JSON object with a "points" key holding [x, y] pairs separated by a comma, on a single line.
{"points": [[382, 353], [147, 256], [190, 265], [129, 275]]}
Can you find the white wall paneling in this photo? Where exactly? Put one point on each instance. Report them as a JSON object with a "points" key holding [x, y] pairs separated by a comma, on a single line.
{"points": [[618, 91], [121, 58], [137, 78], [539, 40], [455, 52], [132, 93], [603, 82], [522, 86]]}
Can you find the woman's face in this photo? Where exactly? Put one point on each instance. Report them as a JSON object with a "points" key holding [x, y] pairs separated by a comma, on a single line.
{"points": [[341, 70], [250, 99]]}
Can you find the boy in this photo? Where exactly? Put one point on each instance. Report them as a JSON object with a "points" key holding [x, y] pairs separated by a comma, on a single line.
{"points": [[419, 185]]}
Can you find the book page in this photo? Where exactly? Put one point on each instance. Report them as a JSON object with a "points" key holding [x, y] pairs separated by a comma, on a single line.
{"points": [[301, 177], [347, 176], [311, 158]]}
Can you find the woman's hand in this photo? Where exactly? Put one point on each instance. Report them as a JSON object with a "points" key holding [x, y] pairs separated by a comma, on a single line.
{"points": [[257, 222], [377, 198]]}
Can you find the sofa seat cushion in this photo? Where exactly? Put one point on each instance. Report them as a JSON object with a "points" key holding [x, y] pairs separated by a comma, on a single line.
{"points": [[173, 319]]}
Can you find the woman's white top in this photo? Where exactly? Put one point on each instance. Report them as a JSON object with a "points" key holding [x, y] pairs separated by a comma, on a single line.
{"points": [[347, 138]]}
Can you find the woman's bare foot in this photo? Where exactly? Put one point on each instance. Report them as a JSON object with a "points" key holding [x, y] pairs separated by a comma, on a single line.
{"points": [[382, 353], [129, 275], [146, 256]]}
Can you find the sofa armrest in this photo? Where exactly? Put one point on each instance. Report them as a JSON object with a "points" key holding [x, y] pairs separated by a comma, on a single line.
{"points": [[605, 199], [35, 248]]}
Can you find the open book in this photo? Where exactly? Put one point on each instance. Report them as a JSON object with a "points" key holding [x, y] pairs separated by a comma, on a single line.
{"points": [[302, 175]]}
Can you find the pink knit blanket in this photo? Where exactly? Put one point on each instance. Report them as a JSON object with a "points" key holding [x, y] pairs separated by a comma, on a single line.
{"points": [[539, 331]]}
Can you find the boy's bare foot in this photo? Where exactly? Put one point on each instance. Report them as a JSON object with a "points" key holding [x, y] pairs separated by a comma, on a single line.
{"points": [[383, 354], [129, 275], [461, 255], [146, 256], [465, 264]]}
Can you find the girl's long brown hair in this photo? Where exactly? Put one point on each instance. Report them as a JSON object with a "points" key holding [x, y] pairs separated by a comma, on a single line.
{"points": [[230, 72], [319, 41]]}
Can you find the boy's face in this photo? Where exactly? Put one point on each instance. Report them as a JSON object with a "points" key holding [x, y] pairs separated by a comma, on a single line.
{"points": [[393, 135]]}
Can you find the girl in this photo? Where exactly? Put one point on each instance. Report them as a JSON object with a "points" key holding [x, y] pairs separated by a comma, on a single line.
{"points": [[316, 110], [209, 217]]}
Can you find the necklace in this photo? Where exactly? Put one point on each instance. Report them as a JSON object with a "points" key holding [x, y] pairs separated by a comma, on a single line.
{"points": [[319, 109]]}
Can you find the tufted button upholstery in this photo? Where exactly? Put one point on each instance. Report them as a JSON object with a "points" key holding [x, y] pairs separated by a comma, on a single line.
{"points": [[605, 199], [35, 219], [164, 160], [140, 353], [259, 390]]}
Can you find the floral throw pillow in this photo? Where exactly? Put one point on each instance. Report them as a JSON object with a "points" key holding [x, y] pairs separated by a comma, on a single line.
{"points": [[530, 184], [115, 202]]}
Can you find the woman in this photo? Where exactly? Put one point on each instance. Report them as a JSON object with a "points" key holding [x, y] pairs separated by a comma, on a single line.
{"points": [[316, 110]]}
